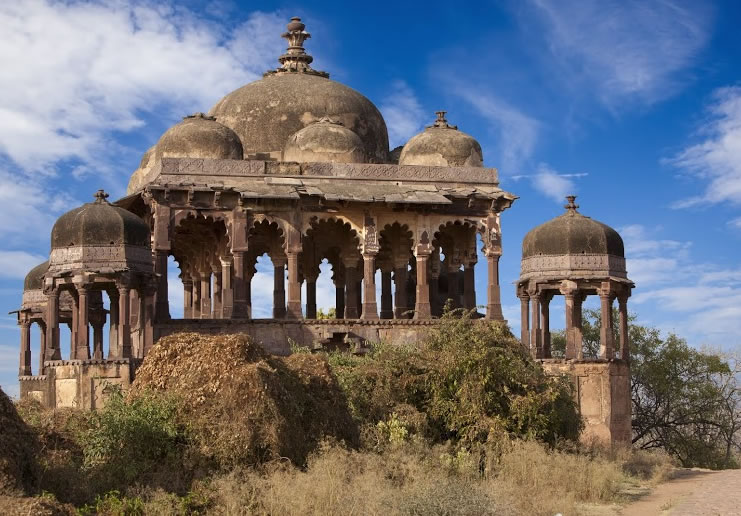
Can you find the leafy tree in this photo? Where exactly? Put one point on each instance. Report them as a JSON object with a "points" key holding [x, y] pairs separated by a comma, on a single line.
{"points": [[684, 400]]}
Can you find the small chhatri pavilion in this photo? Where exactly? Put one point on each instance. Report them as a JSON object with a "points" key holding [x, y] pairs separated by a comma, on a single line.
{"points": [[297, 167]]}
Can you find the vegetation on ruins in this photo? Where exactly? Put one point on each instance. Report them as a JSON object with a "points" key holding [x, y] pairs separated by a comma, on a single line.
{"points": [[466, 423]]}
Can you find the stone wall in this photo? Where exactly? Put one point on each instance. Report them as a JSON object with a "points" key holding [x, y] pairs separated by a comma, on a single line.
{"points": [[76, 383], [276, 335], [602, 389]]}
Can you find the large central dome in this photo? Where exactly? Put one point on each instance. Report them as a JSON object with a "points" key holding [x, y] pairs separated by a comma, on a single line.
{"points": [[265, 113]]}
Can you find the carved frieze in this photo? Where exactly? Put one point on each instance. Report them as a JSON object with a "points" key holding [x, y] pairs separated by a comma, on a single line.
{"points": [[587, 265]]}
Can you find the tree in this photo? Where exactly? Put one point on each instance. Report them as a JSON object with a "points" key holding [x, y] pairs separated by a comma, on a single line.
{"points": [[684, 400]]}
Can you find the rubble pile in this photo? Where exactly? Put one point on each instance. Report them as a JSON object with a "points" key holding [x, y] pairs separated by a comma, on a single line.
{"points": [[243, 405]]}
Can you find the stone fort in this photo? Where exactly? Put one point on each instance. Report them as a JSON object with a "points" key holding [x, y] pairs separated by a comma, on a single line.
{"points": [[298, 167]]}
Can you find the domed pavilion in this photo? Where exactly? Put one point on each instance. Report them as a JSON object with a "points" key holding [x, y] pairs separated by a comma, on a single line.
{"points": [[294, 168], [575, 256]]}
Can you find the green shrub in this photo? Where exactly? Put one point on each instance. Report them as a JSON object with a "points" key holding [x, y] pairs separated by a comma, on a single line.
{"points": [[130, 440], [472, 380]]}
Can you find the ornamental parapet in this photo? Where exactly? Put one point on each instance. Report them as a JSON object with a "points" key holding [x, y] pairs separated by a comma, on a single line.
{"points": [[573, 265]]}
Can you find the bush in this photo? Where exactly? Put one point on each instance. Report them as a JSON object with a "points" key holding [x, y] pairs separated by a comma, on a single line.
{"points": [[470, 378], [19, 471], [133, 440]]}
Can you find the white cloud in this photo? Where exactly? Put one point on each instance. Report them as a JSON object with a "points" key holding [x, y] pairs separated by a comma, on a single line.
{"points": [[403, 113], [735, 223], [16, 264], [699, 301], [624, 49], [552, 184], [717, 157], [76, 73], [516, 132]]}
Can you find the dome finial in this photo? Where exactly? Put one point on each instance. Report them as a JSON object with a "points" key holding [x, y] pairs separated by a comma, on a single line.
{"points": [[101, 197], [441, 121], [296, 59], [571, 206]]}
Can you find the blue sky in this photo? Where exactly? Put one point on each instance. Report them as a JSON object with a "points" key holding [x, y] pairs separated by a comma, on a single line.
{"points": [[635, 106]]}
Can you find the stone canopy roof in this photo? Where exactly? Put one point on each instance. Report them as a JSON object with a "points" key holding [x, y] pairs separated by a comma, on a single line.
{"points": [[358, 182]]}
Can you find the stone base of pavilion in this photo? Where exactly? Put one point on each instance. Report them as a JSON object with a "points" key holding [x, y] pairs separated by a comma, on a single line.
{"points": [[77, 383], [602, 392]]}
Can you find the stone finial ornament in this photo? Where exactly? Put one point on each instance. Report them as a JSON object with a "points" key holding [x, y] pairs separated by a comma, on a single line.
{"points": [[441, 122], [571, 207], [296, 60], [101, 197]]}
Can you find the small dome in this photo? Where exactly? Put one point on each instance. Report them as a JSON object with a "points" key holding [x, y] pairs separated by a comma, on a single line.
{"points": [[199, 136], [35, 277], [571, 234], [267, 112], [99, 223], [442, 145], [325, 140]]}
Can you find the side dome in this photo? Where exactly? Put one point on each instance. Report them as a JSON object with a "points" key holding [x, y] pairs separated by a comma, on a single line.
{"points": [[573, 244], [265, 113], [442, 145], [98, 235], [35, 278], [199, 136], [325, 140]]}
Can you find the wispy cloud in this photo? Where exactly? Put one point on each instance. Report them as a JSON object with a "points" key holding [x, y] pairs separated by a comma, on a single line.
{"points": [[700, 301], [551, 183], [16, 264], [624, 49], [516, 132], [716, 158], [403, 113]]}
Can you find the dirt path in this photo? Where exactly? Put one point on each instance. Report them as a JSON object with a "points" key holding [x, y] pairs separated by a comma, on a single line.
{"points": [[694, 492]]}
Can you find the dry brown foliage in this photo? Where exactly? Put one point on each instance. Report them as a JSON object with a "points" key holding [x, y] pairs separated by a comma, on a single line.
{"points": [[19, 472], [244, 406]]}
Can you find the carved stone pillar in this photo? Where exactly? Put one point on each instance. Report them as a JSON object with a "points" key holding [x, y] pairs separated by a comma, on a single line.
{"points": [[352, 310], [434, 278], [279, 288], [570, 351], [387, 302], [400, 290], [453, 283], [74, 325], [624, 335], [294, 308], [422, 307], [469, 286], [42, 354], [196, 307], [217, 310], [578, 336], [240, 286], [187, 297], [525, 319], [82, 343], [227, 291], [147, 326], [370, 307], [113, 323], [24, 364], [545, 339], [98, 339], [311, 297], [248, 294], [124, 325], [493, 290], [160, 268], [606, 335], [339, 311], [535, 328], [205, 292]]}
